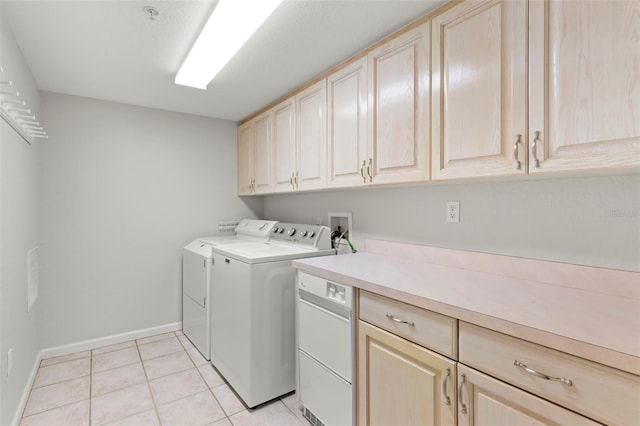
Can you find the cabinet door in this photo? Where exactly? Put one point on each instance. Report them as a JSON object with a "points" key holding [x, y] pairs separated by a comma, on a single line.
{"points": [[401, 383], [311, 121], [284, 145], [485, 401], [263, 154], [479, 90], [398, 111], [584, 91], [246, 139], [347, 125]]}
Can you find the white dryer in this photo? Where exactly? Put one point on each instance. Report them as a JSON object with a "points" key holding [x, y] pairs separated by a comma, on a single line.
{"points": [[253, 310], [196, 278]]}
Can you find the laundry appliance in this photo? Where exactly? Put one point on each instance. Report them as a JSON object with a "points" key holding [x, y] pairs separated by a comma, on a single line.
{"points": [[253, 309], [196, 278]]}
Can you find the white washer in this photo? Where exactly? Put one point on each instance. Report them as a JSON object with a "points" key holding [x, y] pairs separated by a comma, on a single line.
{"points": [[196, 278], [253, 310]]}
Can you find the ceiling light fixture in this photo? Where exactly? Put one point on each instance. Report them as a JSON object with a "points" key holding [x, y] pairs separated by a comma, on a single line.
{"points": [[227, 30]]}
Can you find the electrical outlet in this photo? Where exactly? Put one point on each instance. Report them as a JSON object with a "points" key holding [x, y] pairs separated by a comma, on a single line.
{"points": [[318, 221], [453, 211], [9, 361]]}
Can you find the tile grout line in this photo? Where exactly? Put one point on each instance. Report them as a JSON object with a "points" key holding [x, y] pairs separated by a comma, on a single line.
{"points": [[22, 417], [209, 388], [194, 363], [153, 399]]}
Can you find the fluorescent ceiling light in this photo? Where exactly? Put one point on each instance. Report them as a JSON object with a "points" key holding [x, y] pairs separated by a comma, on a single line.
{"points": [[227, 30]]}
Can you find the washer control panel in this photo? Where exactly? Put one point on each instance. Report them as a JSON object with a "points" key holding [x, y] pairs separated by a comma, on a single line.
{"points": [[313, 236]]}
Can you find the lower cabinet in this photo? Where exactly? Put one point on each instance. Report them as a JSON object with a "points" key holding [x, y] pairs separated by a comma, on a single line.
{"points": [[485, 401], [401, 383]]}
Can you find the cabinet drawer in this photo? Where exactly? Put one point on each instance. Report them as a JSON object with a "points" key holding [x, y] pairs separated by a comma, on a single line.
{"points": [[429, 329], [602, 393]]}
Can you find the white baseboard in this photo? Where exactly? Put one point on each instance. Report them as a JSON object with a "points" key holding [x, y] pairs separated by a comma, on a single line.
{"points": [[108, 340], [22, 403]]}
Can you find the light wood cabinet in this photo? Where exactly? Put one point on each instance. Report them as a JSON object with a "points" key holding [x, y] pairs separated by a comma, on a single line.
{"points": [[486, 88], [584, 93], [484, 401], [401, 383], [583, 109], [602, 393], [426, 328], [479, 91], [246, 142], [398, 109], [254, 156], [284, 145], [347, 125], [311, 131], [299, 139]]}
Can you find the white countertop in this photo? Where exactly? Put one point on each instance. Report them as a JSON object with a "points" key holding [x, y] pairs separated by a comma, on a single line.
{"points": [[591, 324]]}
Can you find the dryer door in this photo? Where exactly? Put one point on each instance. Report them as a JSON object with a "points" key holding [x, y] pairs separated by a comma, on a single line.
{"points": [[194, 276]]}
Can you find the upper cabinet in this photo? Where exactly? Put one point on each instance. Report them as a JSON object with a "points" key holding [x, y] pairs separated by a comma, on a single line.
{"points": [[584, 91], [300, 143], [479, 90], [583, 109], [398, 112], [347, 125], [485, 88], [246, 141], [284, 145], [254, 156], [311, 132]]}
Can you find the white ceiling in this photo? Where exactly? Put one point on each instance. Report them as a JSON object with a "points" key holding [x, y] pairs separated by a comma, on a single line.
{"points": [[110, 50]]}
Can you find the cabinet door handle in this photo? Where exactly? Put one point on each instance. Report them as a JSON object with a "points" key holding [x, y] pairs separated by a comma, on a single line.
{"points": [[401, 321], [364, 178], [291, 181], [534, 149], [463, 406], [296, 179], [542, 375], [516, 151], [445, 391], [369, 167]]}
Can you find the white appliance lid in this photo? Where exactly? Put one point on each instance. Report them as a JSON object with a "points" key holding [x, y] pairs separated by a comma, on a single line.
{"points": [[269, 252]]}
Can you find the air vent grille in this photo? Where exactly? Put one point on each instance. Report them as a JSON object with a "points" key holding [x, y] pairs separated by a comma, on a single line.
{"points": [[312, 418]]}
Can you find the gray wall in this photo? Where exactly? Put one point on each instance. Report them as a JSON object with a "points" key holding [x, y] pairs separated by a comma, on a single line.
{"points": [[18, 234], [589, 220], [124, 188]]}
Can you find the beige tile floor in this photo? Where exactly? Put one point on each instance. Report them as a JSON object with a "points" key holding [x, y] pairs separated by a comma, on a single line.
{"points": [[159, 380]]}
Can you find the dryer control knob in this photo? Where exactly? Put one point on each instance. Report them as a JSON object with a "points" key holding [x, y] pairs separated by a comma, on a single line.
{"points": [[291, 231], [312, 234], [303, 233]]}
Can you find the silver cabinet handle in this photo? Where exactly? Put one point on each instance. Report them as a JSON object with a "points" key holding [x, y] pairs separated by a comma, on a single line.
{"points": [[534, 148], [401, 321], [364, 178], [463, 406], [291, 181], [516, 151], [369, 167], [542, 375], [296, 179], [445, 391]]}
